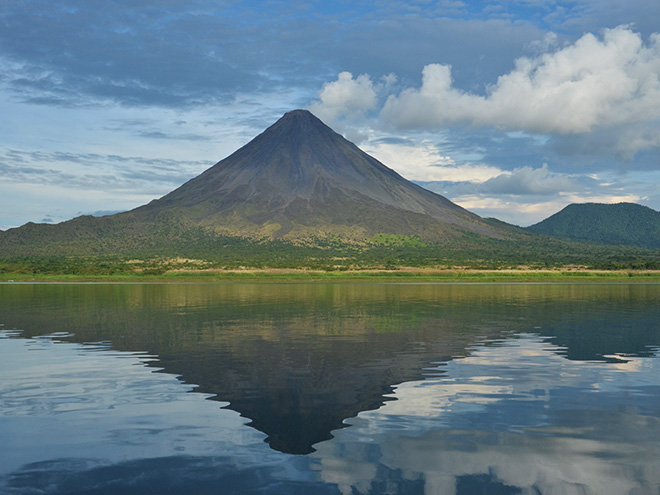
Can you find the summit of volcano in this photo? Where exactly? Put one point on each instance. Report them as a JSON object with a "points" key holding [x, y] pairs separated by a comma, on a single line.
{"points": [[299, 178]]}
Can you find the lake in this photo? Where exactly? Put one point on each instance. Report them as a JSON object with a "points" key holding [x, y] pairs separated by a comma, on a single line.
{"points": [[330, 389]]}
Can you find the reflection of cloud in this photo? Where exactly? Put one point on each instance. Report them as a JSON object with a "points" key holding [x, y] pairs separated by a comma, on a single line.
{"points": [[534, 464], [144, 414], [519, 416], [94, 420]]}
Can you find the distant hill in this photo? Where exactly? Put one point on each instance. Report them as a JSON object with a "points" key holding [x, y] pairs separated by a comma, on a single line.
{"points": [[622, 224]]}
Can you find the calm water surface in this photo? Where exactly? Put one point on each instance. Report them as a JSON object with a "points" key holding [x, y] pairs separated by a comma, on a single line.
{"points": [[351, 389]]}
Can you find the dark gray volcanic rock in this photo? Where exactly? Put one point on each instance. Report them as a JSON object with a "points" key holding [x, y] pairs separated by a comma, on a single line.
{"points": [[299, 178]]}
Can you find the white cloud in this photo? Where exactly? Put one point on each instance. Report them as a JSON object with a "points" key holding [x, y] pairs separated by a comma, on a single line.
{"points": [[602, 198], [509, 210], [424, 162], [528, 180], [346, 97], [593, 83]]}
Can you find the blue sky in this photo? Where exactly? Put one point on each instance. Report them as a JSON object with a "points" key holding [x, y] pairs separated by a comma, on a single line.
{"points": [[512, 109]]}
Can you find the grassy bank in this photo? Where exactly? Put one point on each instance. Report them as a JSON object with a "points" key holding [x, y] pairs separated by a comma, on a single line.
{"points": [[362, 276]]}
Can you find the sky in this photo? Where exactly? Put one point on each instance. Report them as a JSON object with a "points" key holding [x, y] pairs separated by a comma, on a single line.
{"points": [[512, 109]]}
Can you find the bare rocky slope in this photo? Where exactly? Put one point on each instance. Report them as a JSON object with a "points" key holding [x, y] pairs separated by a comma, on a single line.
{"points": [[300, 179]]}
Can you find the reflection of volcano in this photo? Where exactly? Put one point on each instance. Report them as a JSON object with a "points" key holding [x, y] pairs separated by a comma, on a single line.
{"points": [[298, 360], [297, 393]]}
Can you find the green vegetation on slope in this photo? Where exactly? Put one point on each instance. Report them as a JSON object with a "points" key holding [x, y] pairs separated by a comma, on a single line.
{"points": [[624, 224], [154, 251]]}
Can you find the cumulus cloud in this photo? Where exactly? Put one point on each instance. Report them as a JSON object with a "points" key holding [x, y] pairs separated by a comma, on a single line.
{"points": [[345, 97], [594, 83]]}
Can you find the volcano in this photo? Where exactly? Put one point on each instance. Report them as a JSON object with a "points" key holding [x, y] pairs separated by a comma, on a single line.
{"points": [[298, 182], [300, 179]]}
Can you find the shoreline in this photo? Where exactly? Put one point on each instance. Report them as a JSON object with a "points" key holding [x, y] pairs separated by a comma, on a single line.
{"points": [[364, 276]]}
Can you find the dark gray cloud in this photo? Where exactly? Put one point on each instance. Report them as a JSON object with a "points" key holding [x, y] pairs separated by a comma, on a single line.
{"points": [[74, 52], [592, 15], [173, 136], [571, 17], [154, 129], [135, 54], [394, 140], [529, 181], [200, 51], [478, 50], [629, 149]]}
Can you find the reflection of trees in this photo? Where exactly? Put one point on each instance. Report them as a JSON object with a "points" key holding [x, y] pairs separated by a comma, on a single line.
{"points": [[299, 359]]}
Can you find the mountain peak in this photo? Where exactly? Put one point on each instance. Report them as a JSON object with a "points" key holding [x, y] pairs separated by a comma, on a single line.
{"points": [[299, 113], [299, 124], [299, 178]]}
